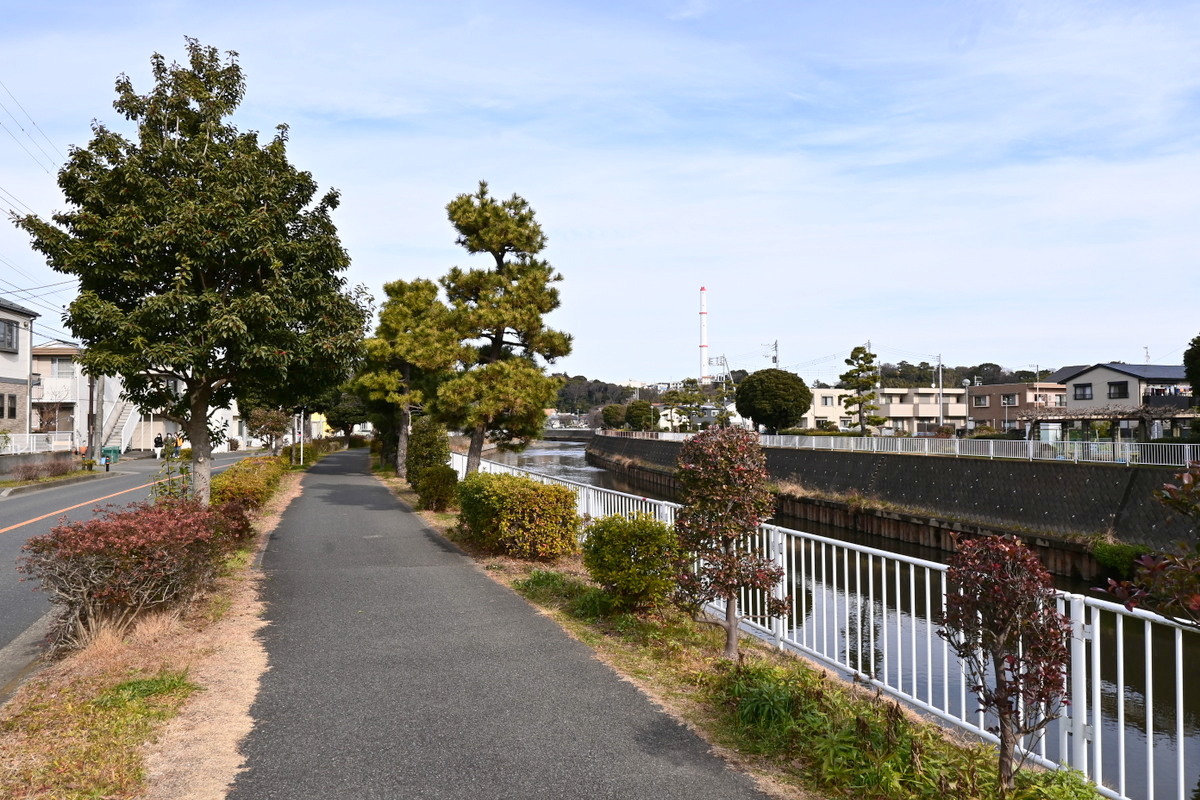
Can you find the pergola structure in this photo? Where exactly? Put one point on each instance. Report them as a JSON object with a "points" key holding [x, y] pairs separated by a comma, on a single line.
{"points": [[1172, 417]]}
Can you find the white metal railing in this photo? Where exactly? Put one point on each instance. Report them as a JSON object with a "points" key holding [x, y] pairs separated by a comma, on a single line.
{"points": [[1154, 454], [127, 430], [874, 615], [19, 443]]}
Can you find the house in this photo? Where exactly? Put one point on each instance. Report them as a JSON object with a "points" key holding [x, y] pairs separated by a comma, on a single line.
{"points": [[1156, 396], [1009, 406], [16, 367]]}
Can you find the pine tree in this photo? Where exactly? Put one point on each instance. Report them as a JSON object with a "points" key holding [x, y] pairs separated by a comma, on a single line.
{"points": [[860, 379], [501, 391]]}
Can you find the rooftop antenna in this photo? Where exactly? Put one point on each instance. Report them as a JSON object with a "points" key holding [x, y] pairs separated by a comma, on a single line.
{"points": [[1147, 349]]}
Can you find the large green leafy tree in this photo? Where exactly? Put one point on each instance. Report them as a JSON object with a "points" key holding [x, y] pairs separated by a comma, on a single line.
{"points": [[640, 415], [501, 391], [413, 348], [774, 398], [1191, 367], [204, 267], [860, 380]]}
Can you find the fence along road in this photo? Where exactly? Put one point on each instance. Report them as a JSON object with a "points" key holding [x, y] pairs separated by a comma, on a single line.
{"points": [[1132, 726], [1169, 454]]}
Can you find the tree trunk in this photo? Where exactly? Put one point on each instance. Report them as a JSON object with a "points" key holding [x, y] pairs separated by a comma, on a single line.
{"points": [[402, 442], [731, 628], [1006, 716], [475, 452], [201, 444]]}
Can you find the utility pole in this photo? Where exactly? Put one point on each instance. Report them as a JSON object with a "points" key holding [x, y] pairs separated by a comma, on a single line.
{"points": [[941, 404], [774, 346]]}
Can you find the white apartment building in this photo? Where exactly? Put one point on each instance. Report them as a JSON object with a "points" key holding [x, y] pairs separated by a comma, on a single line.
{"points": [[909, 410], [16, 367]]}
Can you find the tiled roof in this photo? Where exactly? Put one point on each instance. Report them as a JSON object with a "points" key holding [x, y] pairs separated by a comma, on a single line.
{"points": [[16, 309], [1146, 372]]}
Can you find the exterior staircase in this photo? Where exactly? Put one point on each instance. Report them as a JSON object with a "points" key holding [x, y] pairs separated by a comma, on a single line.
{"points": [[112, 435]]}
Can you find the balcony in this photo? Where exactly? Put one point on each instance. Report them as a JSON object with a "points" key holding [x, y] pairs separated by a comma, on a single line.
{"points": [[1178, 401]]}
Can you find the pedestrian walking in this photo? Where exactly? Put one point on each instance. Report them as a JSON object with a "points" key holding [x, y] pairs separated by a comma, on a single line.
{"points": [[158, 446]]}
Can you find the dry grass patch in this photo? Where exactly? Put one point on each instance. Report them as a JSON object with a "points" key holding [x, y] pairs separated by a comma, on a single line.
{"points": [[165, 705]]}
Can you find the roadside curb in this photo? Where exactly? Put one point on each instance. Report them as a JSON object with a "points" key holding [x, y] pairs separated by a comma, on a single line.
{"points": [[37, 487], [22, 657]]}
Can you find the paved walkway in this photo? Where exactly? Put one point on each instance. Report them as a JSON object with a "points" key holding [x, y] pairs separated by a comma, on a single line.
{"points": [[399, 670]]}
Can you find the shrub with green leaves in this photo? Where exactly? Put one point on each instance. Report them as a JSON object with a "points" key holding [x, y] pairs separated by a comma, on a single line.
{"points": [[633, 558], [428, 446], [436, 487], [518, 517], [250, 481]]}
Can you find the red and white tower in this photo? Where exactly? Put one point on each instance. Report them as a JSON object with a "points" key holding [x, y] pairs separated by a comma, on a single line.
{"points": [[705, 375]]}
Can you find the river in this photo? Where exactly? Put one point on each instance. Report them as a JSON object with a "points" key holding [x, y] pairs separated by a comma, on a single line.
{"points": [[567, 460]]}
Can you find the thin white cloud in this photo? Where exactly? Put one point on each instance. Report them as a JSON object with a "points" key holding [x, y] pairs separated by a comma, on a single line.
{"points": [[1001, 181]]}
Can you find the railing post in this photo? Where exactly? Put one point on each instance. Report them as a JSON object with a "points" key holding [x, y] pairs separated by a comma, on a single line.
{"points": [[1079, 693], [779, 622]]}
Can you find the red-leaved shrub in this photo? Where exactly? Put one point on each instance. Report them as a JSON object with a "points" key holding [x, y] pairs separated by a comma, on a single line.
{"points": [[108, 569]]}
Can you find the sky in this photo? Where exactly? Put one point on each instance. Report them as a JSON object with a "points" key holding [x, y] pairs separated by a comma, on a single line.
{"points": [[985, 181]]}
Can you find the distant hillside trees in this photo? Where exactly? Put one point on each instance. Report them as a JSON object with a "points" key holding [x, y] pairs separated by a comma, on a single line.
{"points": [[579, 395]]}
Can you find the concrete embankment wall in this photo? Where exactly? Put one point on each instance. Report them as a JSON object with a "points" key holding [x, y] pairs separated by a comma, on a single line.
{"points": [[1063, 500], [10, 464]]}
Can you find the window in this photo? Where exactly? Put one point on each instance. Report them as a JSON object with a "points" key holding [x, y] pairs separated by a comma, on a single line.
{"points": [[1118, 389], [62, 367], [9, 330], [1008, 399], [981, 401], [1083, 391], [12, 406], [827, 400]]}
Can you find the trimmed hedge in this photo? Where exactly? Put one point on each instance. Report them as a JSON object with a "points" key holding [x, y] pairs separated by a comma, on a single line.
{"points": [[313, 451], [437, 486], [108, 569], [250, 482], [428, 446], [633, 558], [518, 517]]}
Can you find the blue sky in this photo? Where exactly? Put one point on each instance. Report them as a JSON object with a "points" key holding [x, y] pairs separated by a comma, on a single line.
{"points": [[989, 181]]}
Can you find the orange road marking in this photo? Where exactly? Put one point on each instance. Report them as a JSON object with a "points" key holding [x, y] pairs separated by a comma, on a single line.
{"points": [[89, 502]]}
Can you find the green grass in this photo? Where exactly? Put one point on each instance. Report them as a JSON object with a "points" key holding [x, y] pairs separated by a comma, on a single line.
{"points": [[90, 735], [804, 727]]}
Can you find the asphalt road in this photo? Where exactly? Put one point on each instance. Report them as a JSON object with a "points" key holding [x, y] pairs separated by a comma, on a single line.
{"points": [[30, 513], [400, 670]]}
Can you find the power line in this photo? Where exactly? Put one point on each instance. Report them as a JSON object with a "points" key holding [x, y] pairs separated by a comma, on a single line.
{"points": [[16, 200], [31, 300], [33, 122], [23, 147], [46, 285]]}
